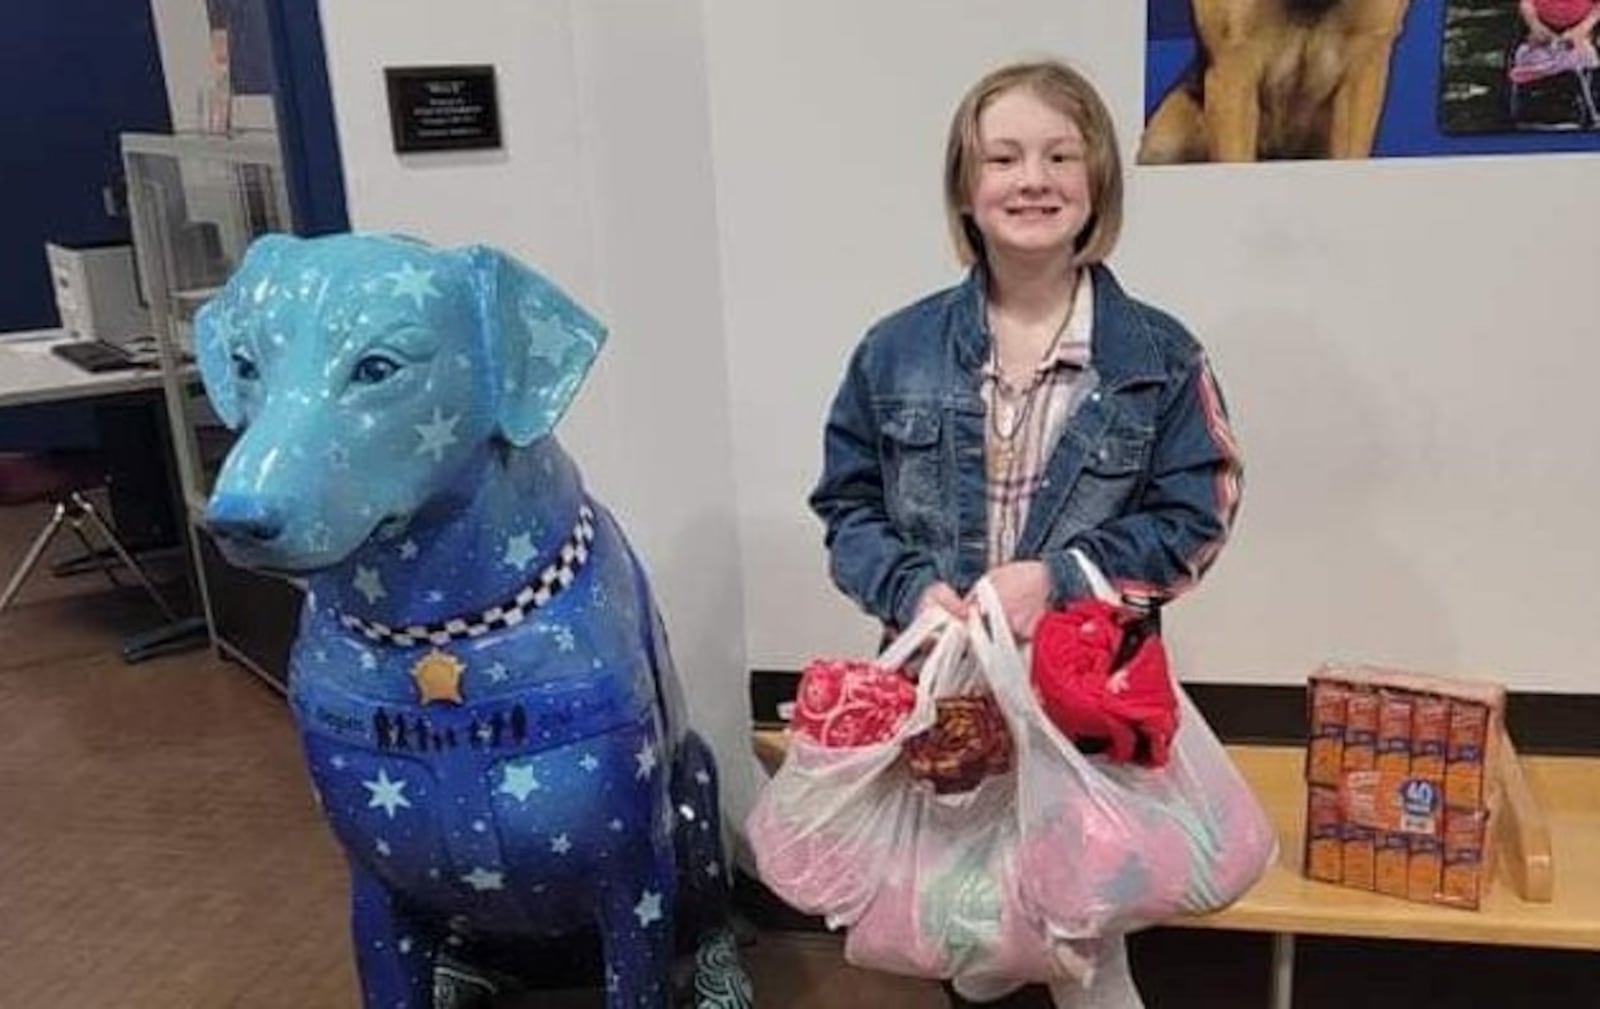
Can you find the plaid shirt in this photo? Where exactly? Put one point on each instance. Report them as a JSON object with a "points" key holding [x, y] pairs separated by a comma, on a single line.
{"points": [[1016, 463]]}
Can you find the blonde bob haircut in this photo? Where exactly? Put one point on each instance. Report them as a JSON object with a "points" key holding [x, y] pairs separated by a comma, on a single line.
{"points": [[1069, 93]]}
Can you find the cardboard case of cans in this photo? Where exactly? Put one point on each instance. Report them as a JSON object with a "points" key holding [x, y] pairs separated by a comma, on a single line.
{"points": [[1400, 789]]}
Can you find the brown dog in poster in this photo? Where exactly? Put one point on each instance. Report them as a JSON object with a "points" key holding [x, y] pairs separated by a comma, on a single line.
{"points": [[1278, 79]]}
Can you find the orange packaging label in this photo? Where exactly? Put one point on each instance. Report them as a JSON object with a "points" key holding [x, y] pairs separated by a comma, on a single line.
{"points": [[1326, 860], [1325, 759], [1394, 856], [1463, 771], [1394, 735], [1469, 725], [1361, 731], [1462, 879], [1325, 754], [1360, 858], [1401, 803], [1430, 730], [1424, 869], [1324, 835], [1463, 784]]}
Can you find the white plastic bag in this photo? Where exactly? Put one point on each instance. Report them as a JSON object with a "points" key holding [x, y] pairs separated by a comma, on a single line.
{"points": [[825, 828], [925, 882], [1106, 848]]}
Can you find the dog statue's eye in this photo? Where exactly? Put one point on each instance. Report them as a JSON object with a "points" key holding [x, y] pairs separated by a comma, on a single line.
{"points": [[244, 369], [374, 368]]}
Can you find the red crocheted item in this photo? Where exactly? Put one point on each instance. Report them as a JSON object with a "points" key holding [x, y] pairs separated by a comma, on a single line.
{"points": [[1130, 714]]}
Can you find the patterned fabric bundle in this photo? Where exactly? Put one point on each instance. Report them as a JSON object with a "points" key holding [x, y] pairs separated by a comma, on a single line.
{"points": [[850, 703], [969, 742]]}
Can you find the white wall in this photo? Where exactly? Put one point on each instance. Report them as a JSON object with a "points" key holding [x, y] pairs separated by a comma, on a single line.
{"points": [[741, 186], [183, 35], [604, 184], [1421, 470]]}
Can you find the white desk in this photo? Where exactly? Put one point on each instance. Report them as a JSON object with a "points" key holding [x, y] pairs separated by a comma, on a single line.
{"points": [[30, 373]]}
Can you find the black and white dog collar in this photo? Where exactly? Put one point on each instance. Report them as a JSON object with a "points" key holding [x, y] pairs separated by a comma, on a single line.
{"points": [[554, 577]]}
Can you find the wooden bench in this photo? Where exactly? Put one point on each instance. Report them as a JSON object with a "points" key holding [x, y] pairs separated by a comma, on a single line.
{"points": [[1546, 894]]}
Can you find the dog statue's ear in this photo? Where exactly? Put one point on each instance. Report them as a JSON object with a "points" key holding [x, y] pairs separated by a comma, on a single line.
{"points": [[540, 340], [214, 325]]}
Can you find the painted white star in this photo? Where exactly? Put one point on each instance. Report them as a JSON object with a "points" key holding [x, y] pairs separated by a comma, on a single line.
{"points": [[646, 758], [484, 733], [615, 825], [387, 795], [338, 762], [438, 434], [520, 552], [480, 827], [368, 421], [481, 879], [702, 778], [369, 583], [498, 672], [408, 550], [369, 662], [383, 848], [713, 870], [463, 362], [519, 782], [405, 944], [560, 844], [588, 763], [321, 655], [648, 909], [566, 641], [434, 596], [410, 282]]}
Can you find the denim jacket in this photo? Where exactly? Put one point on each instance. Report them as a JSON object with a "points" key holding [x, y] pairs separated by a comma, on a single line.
{"points": [[1143, 483]]}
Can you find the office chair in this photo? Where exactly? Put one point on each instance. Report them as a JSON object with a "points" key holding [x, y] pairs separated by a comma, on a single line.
{"points": [[62, 478]]}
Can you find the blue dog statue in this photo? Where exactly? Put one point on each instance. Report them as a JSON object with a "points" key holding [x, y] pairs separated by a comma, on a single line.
{"points": [[481, 680]]}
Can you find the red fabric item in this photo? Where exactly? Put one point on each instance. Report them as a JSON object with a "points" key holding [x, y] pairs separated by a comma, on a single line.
{"points": [[1131, 712], [850, 703]]}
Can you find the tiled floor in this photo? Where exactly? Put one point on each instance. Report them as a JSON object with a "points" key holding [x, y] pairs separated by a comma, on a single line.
{"points": [[159, 846]]}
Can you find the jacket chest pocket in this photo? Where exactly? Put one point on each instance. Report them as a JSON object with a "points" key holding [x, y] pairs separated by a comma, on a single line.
{"points": [[911, 450], [1112, 475]]}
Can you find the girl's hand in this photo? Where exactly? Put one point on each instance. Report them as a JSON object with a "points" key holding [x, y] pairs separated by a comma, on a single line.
{"points": [[942, 595], [1024, 591]]}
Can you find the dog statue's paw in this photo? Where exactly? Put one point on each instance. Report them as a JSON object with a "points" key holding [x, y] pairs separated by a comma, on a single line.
{"points": [[720, 981], [456, 986]]}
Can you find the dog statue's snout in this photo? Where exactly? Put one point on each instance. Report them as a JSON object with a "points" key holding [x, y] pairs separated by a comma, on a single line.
{"points": [[244, 518]]}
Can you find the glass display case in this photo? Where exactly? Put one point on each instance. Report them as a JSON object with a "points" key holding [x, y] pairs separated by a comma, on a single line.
{"points": [[197, 201]]}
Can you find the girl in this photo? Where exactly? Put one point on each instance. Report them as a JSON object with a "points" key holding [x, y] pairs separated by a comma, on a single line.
{"points": [[1034, 424]]}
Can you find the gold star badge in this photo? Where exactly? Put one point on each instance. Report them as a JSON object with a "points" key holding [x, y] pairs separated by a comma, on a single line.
{"points": [[438, 676]]}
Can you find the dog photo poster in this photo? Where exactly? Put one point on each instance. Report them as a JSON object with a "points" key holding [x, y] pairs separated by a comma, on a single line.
{"points": [[1265, 80]]}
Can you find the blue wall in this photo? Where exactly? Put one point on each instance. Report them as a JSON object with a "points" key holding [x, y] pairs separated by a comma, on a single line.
{"points": [[74, 75]]}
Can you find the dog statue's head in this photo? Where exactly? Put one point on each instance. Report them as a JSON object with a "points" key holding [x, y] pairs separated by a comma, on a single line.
{"points": [[365, 373]]}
